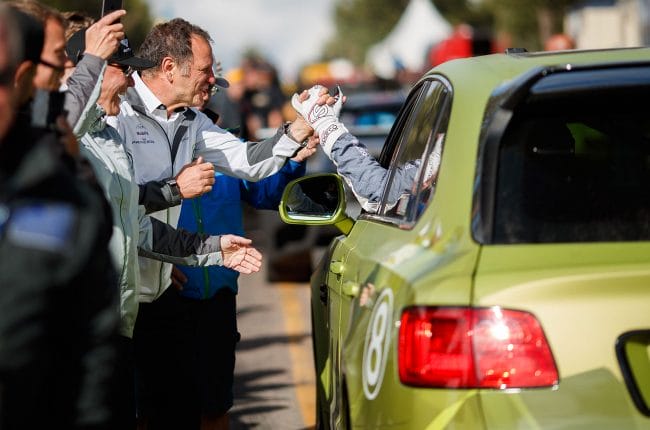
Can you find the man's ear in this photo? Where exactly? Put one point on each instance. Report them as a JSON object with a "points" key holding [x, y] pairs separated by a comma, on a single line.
{"points": [[24, 81], [167, 67]]}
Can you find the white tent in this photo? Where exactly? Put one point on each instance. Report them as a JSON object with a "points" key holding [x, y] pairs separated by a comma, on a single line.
{"points": [[420, 27]]}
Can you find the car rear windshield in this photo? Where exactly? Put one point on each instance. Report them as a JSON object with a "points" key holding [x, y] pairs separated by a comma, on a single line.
{"points": [[574, 162]]}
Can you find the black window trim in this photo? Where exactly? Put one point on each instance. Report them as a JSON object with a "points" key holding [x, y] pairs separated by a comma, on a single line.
{"points": [[499, 112]]}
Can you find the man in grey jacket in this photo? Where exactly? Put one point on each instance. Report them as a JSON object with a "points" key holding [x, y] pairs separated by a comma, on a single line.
{"points": [[164, 134], [103, 147]]}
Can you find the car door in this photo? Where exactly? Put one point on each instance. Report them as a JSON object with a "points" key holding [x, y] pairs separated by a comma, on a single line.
{"points": [[363, 281]]}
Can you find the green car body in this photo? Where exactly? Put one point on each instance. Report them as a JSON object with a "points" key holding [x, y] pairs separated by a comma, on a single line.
{"points": [[590, 297]]}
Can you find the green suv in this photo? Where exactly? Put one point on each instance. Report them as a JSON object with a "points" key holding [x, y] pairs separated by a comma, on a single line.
{"points": [[513, 291]]}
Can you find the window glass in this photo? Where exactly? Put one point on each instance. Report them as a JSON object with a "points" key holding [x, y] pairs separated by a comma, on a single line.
{"points": [[416, 160], [575, 168]]}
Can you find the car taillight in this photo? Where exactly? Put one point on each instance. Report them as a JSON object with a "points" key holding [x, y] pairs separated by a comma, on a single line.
{"points": [[460, 347]]}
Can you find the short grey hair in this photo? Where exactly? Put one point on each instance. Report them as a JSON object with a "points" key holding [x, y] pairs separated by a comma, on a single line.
{"points": [[171, 39]]}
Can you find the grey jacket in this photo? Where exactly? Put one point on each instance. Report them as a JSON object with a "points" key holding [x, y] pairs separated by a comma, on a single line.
{"points": [[133, 232], [81, 92], [161, 147]]}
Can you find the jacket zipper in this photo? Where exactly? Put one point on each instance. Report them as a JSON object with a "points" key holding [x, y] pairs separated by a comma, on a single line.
{"points": [[169, 146]]}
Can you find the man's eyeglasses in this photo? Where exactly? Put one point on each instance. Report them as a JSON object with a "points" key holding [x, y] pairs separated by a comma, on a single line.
{"points": [[127, 70], [59, 69]]}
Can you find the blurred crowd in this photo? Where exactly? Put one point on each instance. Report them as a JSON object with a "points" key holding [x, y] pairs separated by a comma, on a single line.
{"points": [[253, 101]]}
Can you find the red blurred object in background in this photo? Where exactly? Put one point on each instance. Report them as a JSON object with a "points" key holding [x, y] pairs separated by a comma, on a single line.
{"points": [[463, 42]]}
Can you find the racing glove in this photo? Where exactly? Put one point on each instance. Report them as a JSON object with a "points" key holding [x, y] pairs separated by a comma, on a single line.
{"points": [[322, 118]]}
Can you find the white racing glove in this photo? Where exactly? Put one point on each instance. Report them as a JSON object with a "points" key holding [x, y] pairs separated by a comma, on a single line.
{"points": [[324, 119]]}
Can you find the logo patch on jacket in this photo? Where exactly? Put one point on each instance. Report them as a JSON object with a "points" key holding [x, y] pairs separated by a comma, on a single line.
{"points": [[45, 227]]}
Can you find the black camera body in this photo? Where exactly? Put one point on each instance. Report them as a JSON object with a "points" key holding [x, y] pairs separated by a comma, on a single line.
{"points": [[109, 6], [46, 107]]}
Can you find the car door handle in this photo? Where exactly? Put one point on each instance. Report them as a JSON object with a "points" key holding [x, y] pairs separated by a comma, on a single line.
{"points": [[323, 293], [350, 288], [337, 267]]}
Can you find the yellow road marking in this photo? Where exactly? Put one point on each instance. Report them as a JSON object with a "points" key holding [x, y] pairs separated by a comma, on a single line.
{"points": [[298, 328]]}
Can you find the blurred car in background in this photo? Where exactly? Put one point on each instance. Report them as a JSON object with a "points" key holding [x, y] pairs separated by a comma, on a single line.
{"points": [[513, 292], [293, 249]]}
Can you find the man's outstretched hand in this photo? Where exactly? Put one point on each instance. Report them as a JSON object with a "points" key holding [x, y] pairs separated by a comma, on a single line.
{"points": [[239, 255]]}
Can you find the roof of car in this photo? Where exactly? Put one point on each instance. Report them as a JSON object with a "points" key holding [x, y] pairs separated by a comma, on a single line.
{"points": [[493, 70]]}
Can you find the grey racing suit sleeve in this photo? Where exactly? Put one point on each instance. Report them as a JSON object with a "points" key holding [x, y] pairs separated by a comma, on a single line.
{"points": [[366, 177], [83, 89], [160, 241]]}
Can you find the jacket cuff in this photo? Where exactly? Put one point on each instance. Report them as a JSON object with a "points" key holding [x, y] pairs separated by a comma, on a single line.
{"points": [[159, 195]]}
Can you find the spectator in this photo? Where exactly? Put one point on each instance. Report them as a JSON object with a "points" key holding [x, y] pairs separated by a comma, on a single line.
{"points": [[262, 102], [228, 103], [104, 148], [559, 42], [57, 308], [156, 113], [212, 290], [51, 64], [75, 21], [102, 40]]}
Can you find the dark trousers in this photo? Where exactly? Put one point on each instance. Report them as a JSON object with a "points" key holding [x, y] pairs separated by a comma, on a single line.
{"points": [[123, 399], [165, 362], [216, 340]]}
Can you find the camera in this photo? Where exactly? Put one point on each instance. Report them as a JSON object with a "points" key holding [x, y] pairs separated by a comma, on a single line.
{"points": [[109, 6], [46, 107]]}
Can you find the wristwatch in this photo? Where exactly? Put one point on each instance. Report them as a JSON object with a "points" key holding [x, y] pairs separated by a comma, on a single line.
{"points": [[174, 189], [287, 131]]}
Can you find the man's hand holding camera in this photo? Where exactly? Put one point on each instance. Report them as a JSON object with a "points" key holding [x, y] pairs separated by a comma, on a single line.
{"points": [[104, 36]]}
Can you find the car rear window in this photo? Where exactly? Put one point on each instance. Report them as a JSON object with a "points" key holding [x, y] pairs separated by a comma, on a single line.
{"points": [[574, 166]]}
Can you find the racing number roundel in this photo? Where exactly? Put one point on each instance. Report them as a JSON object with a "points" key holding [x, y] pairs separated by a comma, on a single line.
{"points": [[376, 345]]}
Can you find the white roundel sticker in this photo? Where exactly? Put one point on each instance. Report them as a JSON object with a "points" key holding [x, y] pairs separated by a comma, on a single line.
{"points": [[376, 345]]}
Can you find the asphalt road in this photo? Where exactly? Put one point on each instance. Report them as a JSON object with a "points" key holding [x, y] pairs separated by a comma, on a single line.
{"points": [[274, 376]]}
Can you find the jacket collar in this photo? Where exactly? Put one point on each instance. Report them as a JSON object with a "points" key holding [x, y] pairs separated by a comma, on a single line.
{"points": [[136, 99]]}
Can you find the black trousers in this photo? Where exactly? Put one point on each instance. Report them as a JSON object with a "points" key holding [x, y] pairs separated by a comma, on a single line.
{"points": [[165, 364], [123, 399]]}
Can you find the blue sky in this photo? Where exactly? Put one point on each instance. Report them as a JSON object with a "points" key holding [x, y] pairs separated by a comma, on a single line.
{"points": [[289, 32]]}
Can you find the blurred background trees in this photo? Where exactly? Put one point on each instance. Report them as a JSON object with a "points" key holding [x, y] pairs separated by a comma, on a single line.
{"points": [[527, 22], [138, 21], [359, 24]]}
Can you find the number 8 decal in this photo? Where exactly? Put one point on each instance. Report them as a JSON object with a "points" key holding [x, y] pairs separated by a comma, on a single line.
{"points": [[377, 343]]}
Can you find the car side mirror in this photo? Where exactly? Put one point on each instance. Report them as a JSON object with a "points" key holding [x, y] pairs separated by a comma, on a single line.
{"points": [[315, 200]]}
